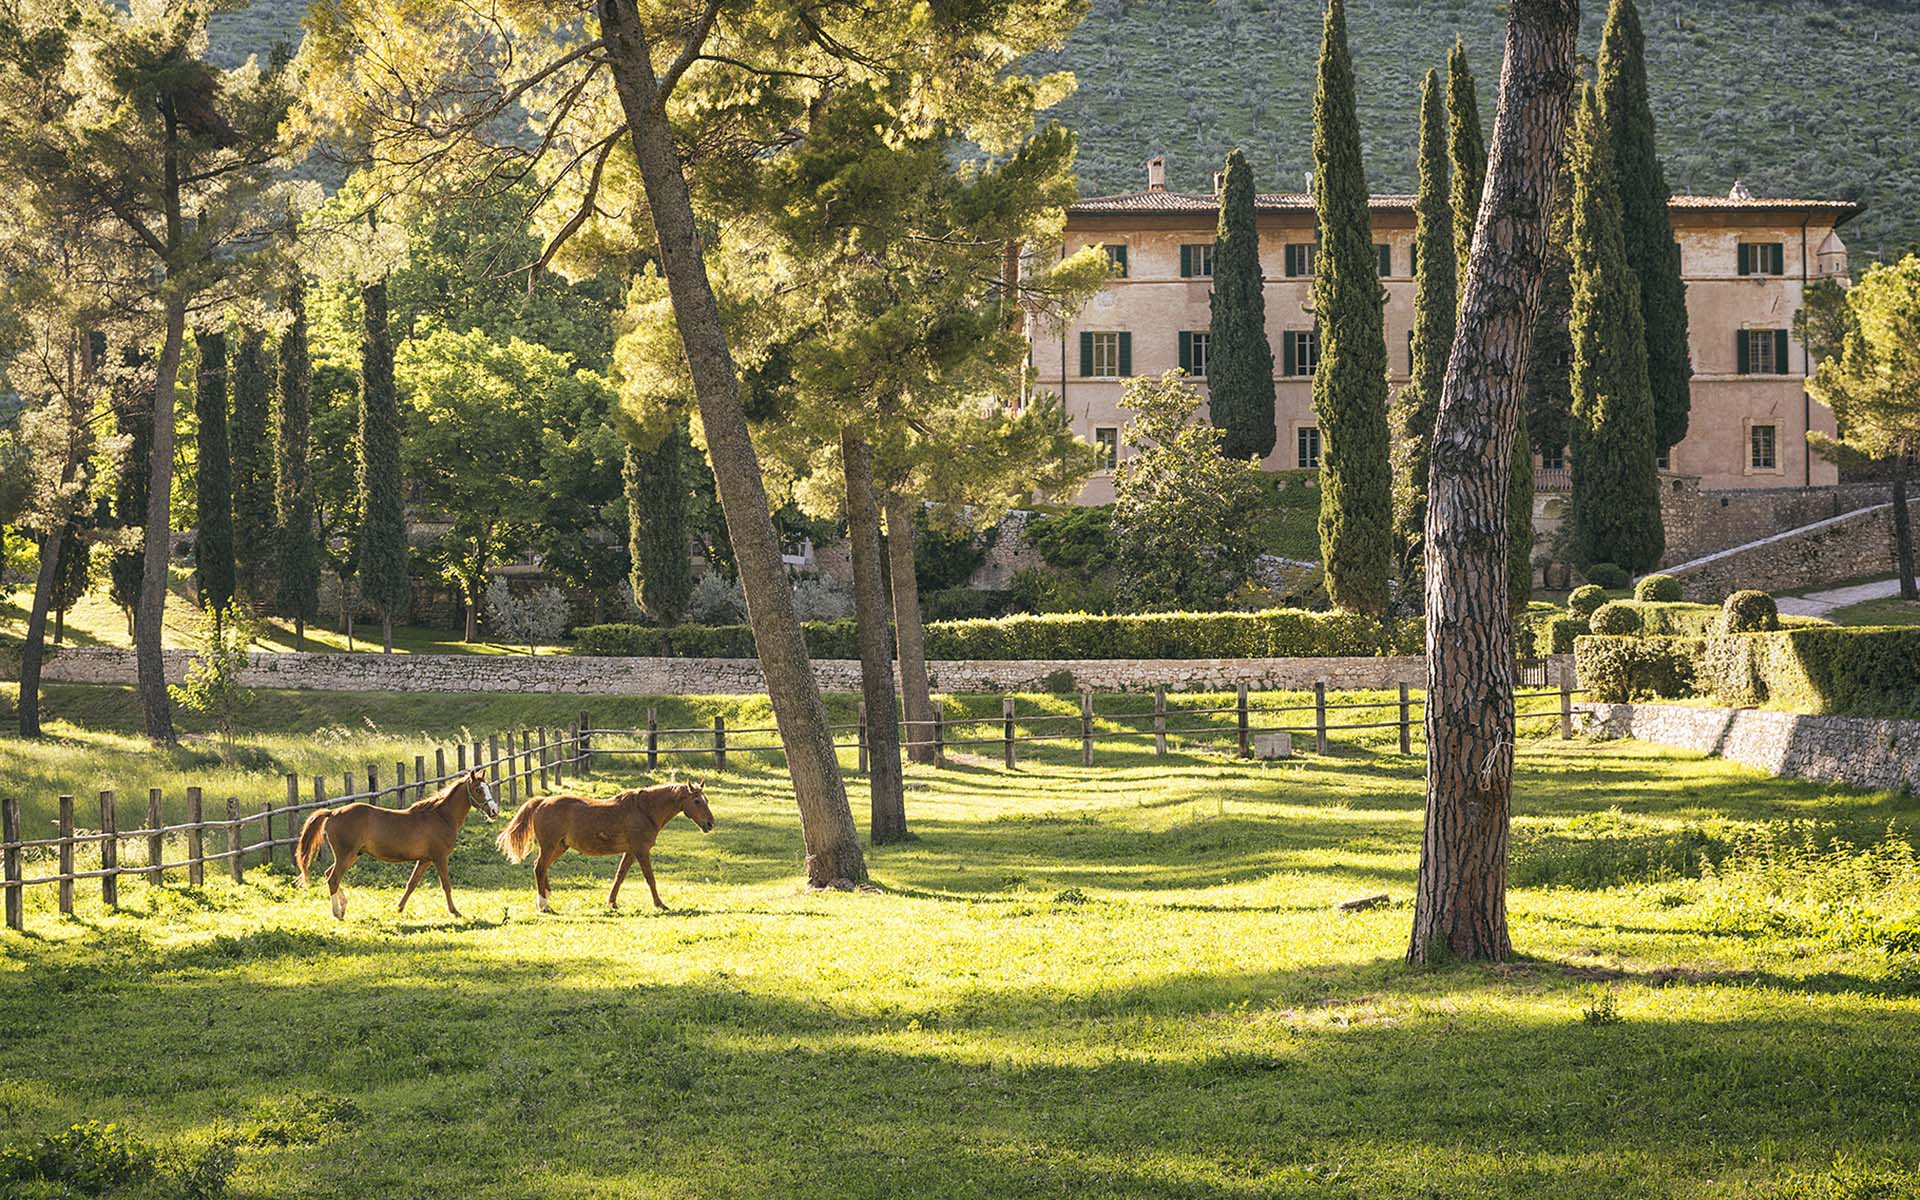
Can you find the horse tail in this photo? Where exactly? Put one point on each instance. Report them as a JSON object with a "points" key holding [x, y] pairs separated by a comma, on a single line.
{"points": [[309, 843], [519, 831]]}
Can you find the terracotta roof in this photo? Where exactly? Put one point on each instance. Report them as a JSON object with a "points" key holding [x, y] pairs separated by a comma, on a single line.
{"points": [[1190, 202]]}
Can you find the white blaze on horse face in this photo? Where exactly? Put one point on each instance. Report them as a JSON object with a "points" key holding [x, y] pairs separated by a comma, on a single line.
{"points": [[488, 804]]}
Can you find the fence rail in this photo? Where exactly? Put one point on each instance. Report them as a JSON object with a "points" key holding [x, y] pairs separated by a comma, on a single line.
{"points": [[528, 762]]}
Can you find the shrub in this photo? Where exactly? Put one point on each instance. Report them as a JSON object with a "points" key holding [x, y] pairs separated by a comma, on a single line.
{"points": [[1556, 636], [1664, 588], [87, 1159], [1618, 669], [1615, 619], [1816, 670], [1750, 612], [212, 683], [963, 604], [716, 602], [946, 558], [822, 599], [1586, 600], [1607, 575], [1079, 540]]}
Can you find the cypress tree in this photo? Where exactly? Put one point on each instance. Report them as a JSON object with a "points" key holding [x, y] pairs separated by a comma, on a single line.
{"points": [[1435, 302], [213, 474], [1616, 494], [133, 420], [656, 486], [1467, 147], [1627, 116], [252, 454], [1239, 357], [71, 569], [297, 543], [1549, 403], [382, 545], [1350, 383]]}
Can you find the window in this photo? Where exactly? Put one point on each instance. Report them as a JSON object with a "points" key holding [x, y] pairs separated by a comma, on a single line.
{"points": [[1300, 351], [1196, 260], [1763, 258], [1306, 441], [1117, 258], [1193, 352], [1106, 355], [1107, 439], [1763, 447], [1300, 259], [1664, 459], [1554, 459], [1385, 252], [1760, 351]]}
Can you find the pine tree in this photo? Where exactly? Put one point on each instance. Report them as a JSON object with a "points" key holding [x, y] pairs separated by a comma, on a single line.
{"points": [[1350, 383], [1549, 403], [1467, 148], [297, 542], [252, 454], [1646, 224], [656, 486], [213, 474], [1435, 301], [1616, 492], [1520, 517], [383, 520], [1239, 357]]}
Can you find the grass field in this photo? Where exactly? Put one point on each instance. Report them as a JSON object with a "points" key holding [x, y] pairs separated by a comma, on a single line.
{"points": [[1125, 981]]}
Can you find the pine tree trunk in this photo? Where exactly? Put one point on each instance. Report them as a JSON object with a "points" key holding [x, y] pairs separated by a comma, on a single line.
{"points": [[909, 632], [826, 822], [1902, 530], [59, 625], [386, 634], [150, 618], [1460, 905], [33, 649], [884, 782], [299, 633]]}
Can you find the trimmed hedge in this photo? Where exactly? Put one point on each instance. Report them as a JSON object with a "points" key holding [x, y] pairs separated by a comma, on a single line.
{"points": [[1608, 575], [1750, 612], [1615, 670], [1819, 669], [1276, 633], [1586, 599], [1658, 588], [1617, 617]]}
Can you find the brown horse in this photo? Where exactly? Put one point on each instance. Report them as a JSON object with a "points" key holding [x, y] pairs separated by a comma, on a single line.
{"points": [[421, 834], [626, 825]]}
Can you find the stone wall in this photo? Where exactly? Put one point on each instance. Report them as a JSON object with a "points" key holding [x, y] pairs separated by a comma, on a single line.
{"points": [[1857, 751], [581, 675], [1701, 522], [1853, 546]]}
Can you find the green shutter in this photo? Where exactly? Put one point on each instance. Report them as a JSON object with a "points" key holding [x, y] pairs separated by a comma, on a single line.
{"points": [[1120, 259], [1186, 261], [1086, 352], [1385, 251], [1186, 351], [1780, 352], [1746, 258], [1288, 357], [1293, 260], [1740, 350], [1126, 355]]}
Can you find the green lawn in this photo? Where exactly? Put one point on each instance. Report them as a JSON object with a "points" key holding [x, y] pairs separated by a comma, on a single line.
{"points": [[1125, 981], [1889, 611]]}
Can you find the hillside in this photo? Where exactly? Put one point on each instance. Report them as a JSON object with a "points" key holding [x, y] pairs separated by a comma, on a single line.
{"points": [[1794, 97]]}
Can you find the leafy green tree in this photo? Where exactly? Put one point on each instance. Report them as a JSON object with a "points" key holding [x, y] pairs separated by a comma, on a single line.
{"points": [[213, 483], [657, 534], [1350, 384], [1616, 490], [1435, 302], [212, 685], [296, 539], [72, 573], [1467, 150], [1239, 357], [1627, 116], [133, 425], [1869, 375], [382, 542], [253, 468]]}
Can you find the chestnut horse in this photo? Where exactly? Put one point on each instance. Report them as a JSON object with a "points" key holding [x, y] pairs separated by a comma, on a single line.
{"points": [[421, 834], [626, 825]]}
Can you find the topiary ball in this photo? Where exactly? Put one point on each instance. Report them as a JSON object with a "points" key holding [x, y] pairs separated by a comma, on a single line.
{"points": [[1586, 600], [1658, 588], [1749, 612], [1616, 619], [1607, 575]]}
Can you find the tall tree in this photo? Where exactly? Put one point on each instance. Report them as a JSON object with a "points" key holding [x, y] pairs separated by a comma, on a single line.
{"points": [[1550, 366], [1647, 225], [1350, 383], [382, 543], [253, 468], [213, 479], [132, 398], [1467, 153], [889, 809], [657, 535], [73, 572], [1239, 357], [1616, 488], [296, 538], [1435, 306], [1460, 908]]}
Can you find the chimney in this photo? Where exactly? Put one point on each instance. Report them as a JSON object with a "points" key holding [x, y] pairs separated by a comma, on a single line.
{"points": [[1157, 173], [1219, 182]]}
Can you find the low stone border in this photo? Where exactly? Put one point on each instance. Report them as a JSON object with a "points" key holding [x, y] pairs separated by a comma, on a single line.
{"points": [[1862, 752]]}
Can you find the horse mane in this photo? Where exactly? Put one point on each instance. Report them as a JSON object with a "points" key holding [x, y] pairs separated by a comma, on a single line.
{"points": [[444, 794]]}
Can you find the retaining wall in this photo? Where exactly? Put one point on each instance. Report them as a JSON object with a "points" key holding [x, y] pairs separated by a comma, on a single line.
{"points": [[1859, 751], [1856, 545]]}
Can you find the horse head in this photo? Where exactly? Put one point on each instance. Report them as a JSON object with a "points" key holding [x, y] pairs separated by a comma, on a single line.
{"points": [[480, 792], [693, 802]]}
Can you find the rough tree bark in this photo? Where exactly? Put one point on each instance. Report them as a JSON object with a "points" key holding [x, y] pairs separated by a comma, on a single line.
{"points": [[884, 782], [150, 617], [1460, 906], [909, 632], [826, 822], [33, 649]]}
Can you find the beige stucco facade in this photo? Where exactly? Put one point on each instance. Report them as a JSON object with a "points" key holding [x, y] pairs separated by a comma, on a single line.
{"points": [[1153, 304]]}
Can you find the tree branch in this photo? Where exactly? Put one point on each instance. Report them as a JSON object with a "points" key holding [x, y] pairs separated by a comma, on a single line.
{"points": [[588, 204], [689, 52]]}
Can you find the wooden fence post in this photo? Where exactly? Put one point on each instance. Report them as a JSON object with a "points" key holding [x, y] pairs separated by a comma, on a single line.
{"points": [[585, 745], [400, 785], [1406, 722], [1240, 721], [439, 765], [235, 840], [66, 855], [563, 761], [459, 758], [719, 742], [479, 764], [373, 785], [293, 815], [526, 761], [266, 828], [1320, 717], [1006, 728], [653, 738], [346, 784], [1566, 703], [493, 758], [109, 850], [939, 731], [9, 834], [540, 748], [156, 842], [1086, 728], [419, 777], [196, 842], [860, 739], [1160, 719]]}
